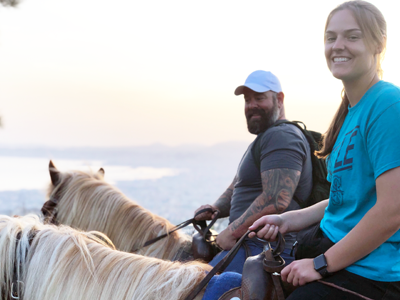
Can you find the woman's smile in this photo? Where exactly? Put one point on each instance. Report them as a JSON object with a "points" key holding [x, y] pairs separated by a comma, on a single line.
{"points": [[340, 59]]}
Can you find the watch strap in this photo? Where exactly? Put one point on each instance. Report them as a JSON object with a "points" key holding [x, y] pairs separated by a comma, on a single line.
{"points": [[321, 269], [324, 272]]}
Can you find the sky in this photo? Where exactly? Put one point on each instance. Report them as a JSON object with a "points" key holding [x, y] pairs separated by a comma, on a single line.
{"points": [[116, 73]]}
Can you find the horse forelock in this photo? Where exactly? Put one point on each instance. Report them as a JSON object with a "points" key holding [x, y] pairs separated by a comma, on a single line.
{"points": [[63, 263], [87, 202]]}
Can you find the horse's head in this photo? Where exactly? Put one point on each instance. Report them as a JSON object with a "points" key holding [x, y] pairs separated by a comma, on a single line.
{"points": [[84, 200], [62, 183], [41, 261]]}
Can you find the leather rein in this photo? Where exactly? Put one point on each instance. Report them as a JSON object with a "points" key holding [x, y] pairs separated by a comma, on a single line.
{"points": [[200, 226]]}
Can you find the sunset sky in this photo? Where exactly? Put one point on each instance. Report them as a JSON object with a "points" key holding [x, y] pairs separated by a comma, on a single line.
{"points": [[125, 73]]}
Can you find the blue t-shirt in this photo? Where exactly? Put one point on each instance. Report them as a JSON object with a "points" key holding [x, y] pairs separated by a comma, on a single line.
{"points": [[367, 146]]}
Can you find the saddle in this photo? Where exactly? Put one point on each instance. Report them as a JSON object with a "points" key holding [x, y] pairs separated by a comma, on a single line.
{"points": [[261, 278], [204, 246]]}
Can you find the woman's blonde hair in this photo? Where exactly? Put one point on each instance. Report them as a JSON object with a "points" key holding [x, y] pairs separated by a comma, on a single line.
{"points": [[373, 26]]}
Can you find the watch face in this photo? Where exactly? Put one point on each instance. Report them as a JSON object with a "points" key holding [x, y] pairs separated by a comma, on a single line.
{"points": [[320, 262]]}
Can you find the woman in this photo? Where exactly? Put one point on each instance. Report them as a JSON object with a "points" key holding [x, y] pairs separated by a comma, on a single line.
{"points": [[362, 216]]}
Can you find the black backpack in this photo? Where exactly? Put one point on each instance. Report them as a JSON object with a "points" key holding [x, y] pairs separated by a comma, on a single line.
{"points": [[321, 186]]}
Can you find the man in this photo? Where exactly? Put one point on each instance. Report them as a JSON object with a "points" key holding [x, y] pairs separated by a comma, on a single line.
{"points": [[285, 170]]}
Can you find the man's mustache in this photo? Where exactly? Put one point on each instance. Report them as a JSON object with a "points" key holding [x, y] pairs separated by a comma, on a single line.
{"points": [[255, 111]]}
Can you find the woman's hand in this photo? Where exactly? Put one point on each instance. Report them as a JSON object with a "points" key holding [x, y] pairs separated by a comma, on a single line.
{"points": [[300, 272], [270, 225]]}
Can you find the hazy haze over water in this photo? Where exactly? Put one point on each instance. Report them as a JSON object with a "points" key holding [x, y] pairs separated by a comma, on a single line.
{"points": [[169, 181]]}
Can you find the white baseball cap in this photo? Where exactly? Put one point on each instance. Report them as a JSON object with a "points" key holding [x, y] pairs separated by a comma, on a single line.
{"points": [[260, 82]]}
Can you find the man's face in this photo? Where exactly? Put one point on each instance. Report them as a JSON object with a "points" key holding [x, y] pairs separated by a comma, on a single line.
{"points": [[261, 110]]}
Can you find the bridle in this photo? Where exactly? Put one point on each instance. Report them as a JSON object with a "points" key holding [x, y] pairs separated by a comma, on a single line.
{"points": [[17, 285]]}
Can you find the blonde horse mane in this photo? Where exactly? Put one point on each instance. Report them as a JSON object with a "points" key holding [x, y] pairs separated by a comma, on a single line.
{"points": [[63, 263], [87, 202]]}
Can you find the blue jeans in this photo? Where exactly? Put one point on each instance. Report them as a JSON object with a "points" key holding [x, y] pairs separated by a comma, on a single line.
{"points": [[237, 263], [220, 284]]}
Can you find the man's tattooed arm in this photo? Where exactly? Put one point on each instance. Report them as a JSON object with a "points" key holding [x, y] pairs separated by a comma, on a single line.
{"points": [[279, 186], [224, 202]]}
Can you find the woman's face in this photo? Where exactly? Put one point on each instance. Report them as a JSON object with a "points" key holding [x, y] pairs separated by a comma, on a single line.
{"points": [[346, 53]]}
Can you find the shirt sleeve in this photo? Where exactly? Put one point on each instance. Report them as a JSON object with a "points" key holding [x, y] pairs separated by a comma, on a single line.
{"points": [[383, 140], [283, 147]]}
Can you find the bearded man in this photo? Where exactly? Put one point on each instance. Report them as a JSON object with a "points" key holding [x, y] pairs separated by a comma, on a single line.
{"points": [[284, 173]]}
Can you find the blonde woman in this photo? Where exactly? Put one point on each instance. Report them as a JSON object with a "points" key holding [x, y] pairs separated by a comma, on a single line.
{"points": [[362, 146]]}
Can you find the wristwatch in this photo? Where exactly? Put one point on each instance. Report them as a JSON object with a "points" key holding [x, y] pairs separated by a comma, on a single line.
{"points": [[320, 266]]}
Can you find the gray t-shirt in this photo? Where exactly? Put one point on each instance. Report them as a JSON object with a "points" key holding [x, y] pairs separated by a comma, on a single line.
{"points": [[283, 146]]}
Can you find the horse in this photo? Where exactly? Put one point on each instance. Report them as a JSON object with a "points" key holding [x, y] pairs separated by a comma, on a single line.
{"points": [[87, 202], [46, 262]]}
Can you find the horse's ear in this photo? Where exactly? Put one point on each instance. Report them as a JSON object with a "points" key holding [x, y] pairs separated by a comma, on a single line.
{"points": [[54, 174], [101, 171]]}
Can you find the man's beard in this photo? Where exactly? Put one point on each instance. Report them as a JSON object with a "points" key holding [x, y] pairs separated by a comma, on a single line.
{"points": [[267, 119]]}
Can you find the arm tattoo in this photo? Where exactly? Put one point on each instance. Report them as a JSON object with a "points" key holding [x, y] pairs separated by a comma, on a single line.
{"points": [[224, 202], [279, 186]]}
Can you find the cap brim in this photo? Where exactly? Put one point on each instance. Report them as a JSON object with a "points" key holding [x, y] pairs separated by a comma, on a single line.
{"points": [[252, 86]]}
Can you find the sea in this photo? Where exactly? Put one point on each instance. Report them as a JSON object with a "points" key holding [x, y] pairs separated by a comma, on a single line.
{"points": [[169, 181]]}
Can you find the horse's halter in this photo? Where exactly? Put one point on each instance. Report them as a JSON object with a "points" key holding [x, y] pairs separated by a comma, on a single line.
{"points": [[17, 286]]}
